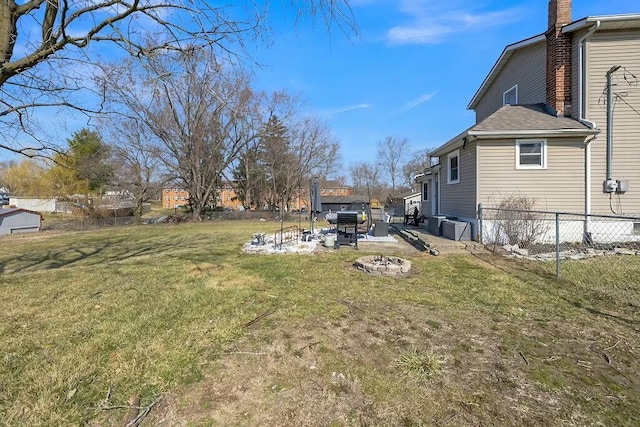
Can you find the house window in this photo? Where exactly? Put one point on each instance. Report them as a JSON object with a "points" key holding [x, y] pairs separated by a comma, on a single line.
{"points": [[453, 169], [425, 191], [531, 154], [510, 97]]}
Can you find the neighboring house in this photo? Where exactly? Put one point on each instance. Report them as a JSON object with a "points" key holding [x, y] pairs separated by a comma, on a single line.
{"points": [[335, 188], [35, 204], [343, 203], [15, 220], [327, 188], [541, 128], [403, 203], [412, 201], [228, 197], [174, 197]]}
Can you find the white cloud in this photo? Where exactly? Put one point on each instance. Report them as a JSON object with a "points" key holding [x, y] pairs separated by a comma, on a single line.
{"points": [[417, 34], [419, 100], [429, 22], [345, 109]]}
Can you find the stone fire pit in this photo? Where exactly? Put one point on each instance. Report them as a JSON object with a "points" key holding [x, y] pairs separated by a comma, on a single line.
{"points": [[380, 265]]}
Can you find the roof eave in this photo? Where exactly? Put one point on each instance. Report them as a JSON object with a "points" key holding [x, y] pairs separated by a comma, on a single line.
{"points": [[589, 20], [458, 141], [452, 144], [448, 147], [412, 195], [503, 134]]}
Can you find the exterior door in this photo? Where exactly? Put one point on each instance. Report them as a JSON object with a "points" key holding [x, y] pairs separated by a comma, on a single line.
{"points": [[435, 206]]}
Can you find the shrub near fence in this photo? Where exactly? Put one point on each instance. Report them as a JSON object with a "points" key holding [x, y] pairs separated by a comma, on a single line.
{"points": [[543, 235]]}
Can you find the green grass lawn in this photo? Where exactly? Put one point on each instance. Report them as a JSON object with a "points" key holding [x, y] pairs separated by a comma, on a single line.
{"points": [[92, 320]]}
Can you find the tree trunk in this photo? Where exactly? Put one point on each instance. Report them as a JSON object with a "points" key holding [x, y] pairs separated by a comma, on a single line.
{"points": [[8, 35]]}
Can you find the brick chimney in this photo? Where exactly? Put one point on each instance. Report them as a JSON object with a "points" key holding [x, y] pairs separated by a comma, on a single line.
{"points": [[559, 58]]}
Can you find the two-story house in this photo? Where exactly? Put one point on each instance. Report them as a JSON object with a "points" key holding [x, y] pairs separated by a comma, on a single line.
{"points": [[541, 125]]}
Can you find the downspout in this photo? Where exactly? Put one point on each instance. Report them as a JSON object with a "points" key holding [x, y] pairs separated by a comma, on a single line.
{"points": [[581, 77], [581, 113]]}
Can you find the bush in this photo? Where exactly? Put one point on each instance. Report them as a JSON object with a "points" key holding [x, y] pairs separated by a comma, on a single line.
{"points": [[516, 222]]}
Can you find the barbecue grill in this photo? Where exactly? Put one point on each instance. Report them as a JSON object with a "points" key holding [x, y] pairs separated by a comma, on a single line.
{"points": [[332, 217], [347, 228]]}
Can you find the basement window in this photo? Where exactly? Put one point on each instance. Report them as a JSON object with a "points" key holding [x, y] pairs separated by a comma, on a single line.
{"points": [[531, 154], [510, 97]]}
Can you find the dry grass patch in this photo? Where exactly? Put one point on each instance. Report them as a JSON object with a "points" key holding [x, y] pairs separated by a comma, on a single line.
{"points": [[233, 339]]}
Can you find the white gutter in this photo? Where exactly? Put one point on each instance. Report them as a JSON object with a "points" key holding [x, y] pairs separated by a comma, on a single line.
{"points": [[578, 25], [581, 113], [498, 134], [581, 79]]}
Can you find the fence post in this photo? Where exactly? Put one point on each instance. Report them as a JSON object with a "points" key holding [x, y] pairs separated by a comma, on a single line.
{"points": [[480, 224], [557, 244]]}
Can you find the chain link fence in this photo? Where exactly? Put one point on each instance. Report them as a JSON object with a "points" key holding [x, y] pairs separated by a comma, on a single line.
{"points": [[83, 223], [558, 236]]}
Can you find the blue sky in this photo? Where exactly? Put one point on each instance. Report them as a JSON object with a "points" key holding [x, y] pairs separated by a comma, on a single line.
{"points": [[412, 70]]}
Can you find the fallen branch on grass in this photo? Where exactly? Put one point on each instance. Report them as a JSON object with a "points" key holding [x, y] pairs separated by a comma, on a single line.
{"points": [[309, 345], [240, 352], [611, 347], [144, 412], [446, 420], [133, 412], [104, 406], [523, 358], [350, 305], [258, 318], [140, 411]]}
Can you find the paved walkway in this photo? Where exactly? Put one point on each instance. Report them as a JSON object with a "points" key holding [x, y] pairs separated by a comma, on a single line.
{"points": [[436, 242]]}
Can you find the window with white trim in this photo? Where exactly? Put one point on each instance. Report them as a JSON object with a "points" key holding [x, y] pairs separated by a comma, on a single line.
{"points": [[425, 191], [510, 96], [531, 154], [453, 167]]}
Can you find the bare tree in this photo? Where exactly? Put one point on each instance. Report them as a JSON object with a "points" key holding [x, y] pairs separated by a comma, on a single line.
{"points": [[136, 158], [391, 154], [293, 153], [415, 164], [48, 47], [249, 177], [202, 113], [253, 185], [366, 177]]}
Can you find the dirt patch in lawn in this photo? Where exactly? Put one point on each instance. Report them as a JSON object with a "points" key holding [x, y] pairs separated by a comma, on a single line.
{"points": [[345, 371]]}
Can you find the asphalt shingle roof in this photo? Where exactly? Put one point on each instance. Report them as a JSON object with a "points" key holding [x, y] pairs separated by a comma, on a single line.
{"points": [[526, 117], [8, 211], [344, 199]]}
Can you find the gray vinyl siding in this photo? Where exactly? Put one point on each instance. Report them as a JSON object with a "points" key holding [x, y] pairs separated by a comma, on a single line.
{"points": [[559, 187], [604, 50], [459, 200], [526, 68]]}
